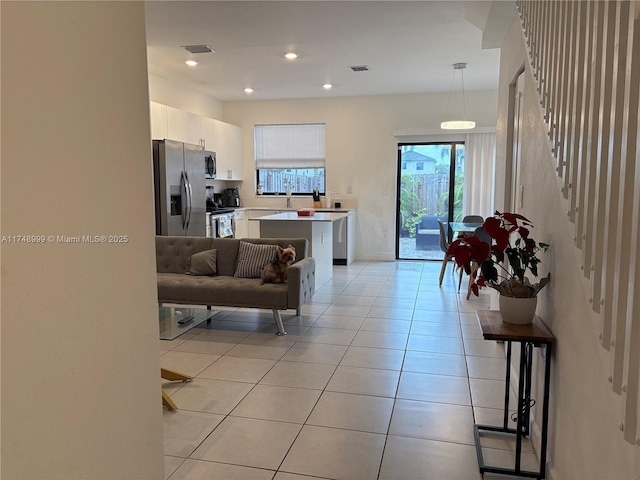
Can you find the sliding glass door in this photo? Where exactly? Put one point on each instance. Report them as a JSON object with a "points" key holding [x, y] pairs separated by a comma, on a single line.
{"points": [[430, 187]]}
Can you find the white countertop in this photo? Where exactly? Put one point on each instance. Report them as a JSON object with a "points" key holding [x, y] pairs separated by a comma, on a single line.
{"points": [[293, 216], [318, 210]]}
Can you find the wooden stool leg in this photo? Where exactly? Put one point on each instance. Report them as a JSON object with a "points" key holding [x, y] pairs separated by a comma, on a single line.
{"points": [[474, 269], [444, 267], [173, 375], [167, 402]]}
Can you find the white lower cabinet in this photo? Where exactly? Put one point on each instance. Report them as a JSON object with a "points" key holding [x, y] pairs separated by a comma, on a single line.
{"points": [[240, 219], [253, 227]]}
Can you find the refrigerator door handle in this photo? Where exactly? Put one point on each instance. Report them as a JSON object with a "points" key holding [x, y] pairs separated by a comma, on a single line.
{"points": [[184, 193], [190, 200]]}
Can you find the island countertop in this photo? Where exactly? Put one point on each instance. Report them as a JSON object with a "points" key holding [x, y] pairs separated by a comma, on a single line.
{"points": [[293, 216]]}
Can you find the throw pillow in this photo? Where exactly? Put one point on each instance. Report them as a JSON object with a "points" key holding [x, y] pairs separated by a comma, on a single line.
{"points": [[252, 258], [203, 263]]}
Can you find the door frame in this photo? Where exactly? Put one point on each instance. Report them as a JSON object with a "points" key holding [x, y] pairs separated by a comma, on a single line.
{"points": [[452, 168]]}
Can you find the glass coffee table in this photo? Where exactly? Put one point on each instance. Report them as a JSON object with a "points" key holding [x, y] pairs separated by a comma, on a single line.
{"points": [[174, 321]]}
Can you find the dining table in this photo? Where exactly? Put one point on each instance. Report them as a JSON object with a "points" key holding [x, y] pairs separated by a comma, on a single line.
{"points": [[463, 227]]}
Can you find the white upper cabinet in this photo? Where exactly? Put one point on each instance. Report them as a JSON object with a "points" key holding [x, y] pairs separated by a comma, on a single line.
{"points": [[158, 114], [177, 125], [200, 130], [227, 142], [213, 135]]}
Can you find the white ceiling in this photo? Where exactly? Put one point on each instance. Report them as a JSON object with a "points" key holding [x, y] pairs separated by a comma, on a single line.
{"points": [[410, 46]]}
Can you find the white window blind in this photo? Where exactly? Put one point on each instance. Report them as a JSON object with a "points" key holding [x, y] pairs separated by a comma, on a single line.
{"points": [[290, 146]]}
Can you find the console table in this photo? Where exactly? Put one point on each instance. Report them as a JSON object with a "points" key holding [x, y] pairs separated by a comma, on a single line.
{"points": [[529, 336]]}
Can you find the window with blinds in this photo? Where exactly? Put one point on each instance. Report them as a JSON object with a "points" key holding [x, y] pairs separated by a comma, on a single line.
{"points": [[290, 156]]}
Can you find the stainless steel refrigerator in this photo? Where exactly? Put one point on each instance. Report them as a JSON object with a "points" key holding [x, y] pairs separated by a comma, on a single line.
{"points": [[178, 171]]}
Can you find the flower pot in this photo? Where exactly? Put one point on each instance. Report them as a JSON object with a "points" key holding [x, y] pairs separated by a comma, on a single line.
{"points": [[517, 310]]}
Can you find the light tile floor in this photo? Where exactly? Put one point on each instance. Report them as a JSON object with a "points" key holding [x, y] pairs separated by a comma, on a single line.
{"points": [[381, 377]]}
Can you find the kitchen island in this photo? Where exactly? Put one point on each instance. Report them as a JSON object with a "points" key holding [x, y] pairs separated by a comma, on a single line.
{"points": [[317, 229]]}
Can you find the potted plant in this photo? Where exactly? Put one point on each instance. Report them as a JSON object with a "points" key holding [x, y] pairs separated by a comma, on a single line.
{"points": [[511, 243]]}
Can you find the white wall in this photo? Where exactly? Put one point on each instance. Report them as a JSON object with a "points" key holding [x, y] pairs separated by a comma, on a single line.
{"points": [[361, 150], [184, 98], [585, 441], [80, 362]]}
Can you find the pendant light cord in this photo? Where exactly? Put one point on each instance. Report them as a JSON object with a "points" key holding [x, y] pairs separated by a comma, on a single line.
{"points": [[450, 91], [464, 103]]}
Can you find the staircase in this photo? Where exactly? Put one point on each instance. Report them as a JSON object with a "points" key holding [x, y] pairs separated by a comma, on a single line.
{"points": [[585, 57]]}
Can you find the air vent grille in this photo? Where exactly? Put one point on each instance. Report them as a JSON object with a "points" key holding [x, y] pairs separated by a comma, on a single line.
{"points": [[197, 48], [360, 68]]}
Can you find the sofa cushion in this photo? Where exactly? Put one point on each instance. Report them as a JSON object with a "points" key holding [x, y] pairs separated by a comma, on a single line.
{"points": [[203, 263], [252, 258], [172, 252], [221, 291]]}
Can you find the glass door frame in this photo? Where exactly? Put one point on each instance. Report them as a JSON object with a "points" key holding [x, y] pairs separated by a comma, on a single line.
{"points": [[452, 184]]}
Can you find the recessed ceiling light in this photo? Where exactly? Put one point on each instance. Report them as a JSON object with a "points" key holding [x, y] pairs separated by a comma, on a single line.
{"points": [[327, 86], [291, 55], [248, 90], [191, 63]]}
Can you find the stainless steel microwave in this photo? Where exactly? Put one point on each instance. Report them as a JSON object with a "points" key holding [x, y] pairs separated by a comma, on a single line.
{"points": [[210, 167]]}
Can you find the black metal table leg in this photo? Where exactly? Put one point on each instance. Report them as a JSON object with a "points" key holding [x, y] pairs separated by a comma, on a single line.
{"points": [[529, 336]]}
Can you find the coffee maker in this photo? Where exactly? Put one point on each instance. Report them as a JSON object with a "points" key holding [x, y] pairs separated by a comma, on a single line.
{"points": [[231, 197], [210, 199]]}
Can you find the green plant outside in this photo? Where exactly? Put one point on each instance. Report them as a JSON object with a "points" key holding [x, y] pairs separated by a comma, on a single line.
{"points": [[458, 191], [411, 210]]}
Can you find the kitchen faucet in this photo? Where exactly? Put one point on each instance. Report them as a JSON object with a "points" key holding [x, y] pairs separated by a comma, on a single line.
{"points": [[288, 191]]}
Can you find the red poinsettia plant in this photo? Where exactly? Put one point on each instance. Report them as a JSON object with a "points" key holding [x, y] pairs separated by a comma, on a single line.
{"points": [[511, 242]]}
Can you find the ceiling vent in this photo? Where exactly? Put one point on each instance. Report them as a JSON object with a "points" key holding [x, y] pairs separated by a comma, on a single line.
{"points": [[360, 68], [197, 48]]}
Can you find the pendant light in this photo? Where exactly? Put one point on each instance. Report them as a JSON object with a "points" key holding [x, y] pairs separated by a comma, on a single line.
{"points": [[463, 124]]}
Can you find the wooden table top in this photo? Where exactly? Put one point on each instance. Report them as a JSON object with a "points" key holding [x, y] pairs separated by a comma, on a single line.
{"points": [[493, 328]]}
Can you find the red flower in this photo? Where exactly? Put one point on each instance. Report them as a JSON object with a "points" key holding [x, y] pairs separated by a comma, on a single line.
{"points": [[468, 249], [521, 255]]}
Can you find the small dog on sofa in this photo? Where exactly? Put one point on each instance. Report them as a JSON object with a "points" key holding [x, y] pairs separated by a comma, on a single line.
{"points": [[277, 270]]}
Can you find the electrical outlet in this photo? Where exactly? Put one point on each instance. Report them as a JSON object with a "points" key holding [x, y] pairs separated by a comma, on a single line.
{"points": [[385, 235], [349, 189]]}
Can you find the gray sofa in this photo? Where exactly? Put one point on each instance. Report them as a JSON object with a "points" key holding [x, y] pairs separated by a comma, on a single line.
{"points": [[176, 285]]}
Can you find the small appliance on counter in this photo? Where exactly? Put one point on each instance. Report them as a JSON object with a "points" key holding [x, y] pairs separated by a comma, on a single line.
{"points": [[231, 197], [210, 199]]}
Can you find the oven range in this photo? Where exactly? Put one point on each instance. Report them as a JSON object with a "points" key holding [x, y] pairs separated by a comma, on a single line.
{"points": [[221, 223]]}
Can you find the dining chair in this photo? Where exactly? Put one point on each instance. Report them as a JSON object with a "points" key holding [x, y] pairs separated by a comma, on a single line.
{"points": [[470, 219], [473, 219], [444, 246], [483, 236]]}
